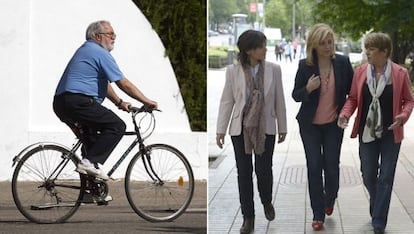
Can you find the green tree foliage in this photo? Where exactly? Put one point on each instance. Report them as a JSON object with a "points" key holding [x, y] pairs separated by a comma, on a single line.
{"points": [[279, 15], [356, 17], [181, 26], [220, 11]]}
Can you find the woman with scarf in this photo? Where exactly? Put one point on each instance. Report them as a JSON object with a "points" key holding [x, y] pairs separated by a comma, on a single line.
{"points": [[254, 101], [381, 90], [322, 83]]}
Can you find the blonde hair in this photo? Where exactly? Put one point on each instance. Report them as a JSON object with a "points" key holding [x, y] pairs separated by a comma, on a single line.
{"points": [[317, 34], [379, 40]]}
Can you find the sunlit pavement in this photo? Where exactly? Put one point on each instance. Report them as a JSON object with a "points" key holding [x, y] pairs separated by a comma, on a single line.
{"points": [[290, 194]]}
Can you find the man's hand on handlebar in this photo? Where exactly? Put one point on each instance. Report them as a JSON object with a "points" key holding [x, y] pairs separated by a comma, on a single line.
{"points": [[147, 107], [124, 106], [152, 104], [141, 109]]}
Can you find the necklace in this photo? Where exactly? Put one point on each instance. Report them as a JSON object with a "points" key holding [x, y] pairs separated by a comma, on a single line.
{"points": [[326, 78]]}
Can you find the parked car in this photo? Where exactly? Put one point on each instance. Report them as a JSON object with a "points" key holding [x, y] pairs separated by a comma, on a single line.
{"points": [[212, 33]]}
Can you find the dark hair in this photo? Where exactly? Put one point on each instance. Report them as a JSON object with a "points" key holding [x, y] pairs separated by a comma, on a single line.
{"points": [[250, 39]]}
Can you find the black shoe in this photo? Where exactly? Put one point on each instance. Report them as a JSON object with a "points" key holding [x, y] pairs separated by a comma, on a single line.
{"points": [[370, 210], [269, 212], [248, 226], [379, 230]]}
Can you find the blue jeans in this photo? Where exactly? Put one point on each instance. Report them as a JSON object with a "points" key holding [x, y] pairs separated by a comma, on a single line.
{"points": [[380, 154], [322, 144], [263, 170]]}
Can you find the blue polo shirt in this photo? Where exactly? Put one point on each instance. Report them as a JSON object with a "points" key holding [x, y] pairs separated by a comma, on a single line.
{"points": [[89, 71]]}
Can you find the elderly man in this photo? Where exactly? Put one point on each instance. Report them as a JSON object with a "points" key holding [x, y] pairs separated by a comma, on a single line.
{"points": [[82, 88]]}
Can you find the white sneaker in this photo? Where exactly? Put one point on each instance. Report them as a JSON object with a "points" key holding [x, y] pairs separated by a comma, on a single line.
{"points": [[108, 198], [86, 167]]}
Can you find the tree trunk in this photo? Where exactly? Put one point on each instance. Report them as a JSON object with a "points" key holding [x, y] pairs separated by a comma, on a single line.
{"points": [[396, 50]]}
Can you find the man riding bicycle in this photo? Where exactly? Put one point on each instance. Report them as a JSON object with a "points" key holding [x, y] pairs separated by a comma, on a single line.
{"points": [[81, 90]]}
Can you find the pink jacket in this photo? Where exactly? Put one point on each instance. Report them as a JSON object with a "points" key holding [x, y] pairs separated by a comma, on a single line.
{"points": [[403, 101]]}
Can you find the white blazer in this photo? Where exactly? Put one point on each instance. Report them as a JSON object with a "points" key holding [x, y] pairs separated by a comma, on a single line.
{"points": [[233, 100]]}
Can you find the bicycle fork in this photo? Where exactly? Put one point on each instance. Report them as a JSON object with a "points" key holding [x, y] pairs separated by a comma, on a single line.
{"points": [[146, 160]]}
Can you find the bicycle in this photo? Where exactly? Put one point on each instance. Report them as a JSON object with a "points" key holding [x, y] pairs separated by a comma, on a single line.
{"points": [[159, 181]]}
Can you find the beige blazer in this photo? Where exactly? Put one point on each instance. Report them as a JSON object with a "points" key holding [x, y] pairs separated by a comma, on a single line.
{"points": [[233, 100]]}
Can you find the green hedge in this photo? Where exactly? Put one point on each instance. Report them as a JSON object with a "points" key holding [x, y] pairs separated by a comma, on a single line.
{"points": [[217, 57], [216, 61], [181, 26]]}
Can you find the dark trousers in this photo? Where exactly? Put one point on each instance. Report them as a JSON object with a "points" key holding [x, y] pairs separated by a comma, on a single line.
{"points": [[102, 129], [263, 170], [380, 154], [322, 144]]}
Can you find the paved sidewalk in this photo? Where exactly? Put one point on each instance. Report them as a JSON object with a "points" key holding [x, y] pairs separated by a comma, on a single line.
{"points": [[290, 193]]}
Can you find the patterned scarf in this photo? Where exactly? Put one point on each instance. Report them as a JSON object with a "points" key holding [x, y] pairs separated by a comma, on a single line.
{"points": [[253, 116], [373, 125]]}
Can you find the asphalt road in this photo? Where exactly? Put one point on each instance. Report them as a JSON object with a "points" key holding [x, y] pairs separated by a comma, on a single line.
{"points": [[117, 217]]}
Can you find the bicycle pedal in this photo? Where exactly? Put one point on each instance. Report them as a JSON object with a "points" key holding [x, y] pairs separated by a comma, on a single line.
{"points": [[102, 203]]}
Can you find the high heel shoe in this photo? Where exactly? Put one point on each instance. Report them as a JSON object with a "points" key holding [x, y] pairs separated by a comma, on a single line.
{"points": [[317, 225], [248, 226], [329, 210]]}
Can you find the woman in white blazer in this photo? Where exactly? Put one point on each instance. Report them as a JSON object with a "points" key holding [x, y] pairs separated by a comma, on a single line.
{"points": [[253, 100]]}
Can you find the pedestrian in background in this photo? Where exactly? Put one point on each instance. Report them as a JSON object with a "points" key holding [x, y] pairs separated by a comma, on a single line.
{"points": [[278, 51], [288, 51], [295, 48], [254, 101], [322, 83], [381, 90], [302, 49]]}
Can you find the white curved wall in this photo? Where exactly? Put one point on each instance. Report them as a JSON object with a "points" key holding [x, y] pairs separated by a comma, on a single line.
{"points": [[37, 39]]}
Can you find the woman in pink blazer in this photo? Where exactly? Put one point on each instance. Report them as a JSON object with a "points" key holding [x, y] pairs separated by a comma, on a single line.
{"points": [[381, 90], [253, 100]]}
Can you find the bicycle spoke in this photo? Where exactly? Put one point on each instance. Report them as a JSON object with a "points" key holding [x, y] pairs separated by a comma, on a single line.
{"points": [[45, 186], [163, 200]]}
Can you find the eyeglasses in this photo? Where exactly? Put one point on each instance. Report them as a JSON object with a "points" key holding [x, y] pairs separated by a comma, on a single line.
{"points": [[111, 35]]}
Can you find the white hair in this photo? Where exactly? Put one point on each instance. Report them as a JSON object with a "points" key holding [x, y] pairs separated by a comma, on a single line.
{"points": [[95, 28]]}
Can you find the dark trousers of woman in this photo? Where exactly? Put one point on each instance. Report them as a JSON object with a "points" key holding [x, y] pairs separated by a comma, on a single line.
{"points": [[263, 170], [102, 129], [322, 144], [380, 154]]}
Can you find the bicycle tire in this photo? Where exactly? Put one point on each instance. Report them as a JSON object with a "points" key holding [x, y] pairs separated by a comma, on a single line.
{"points": [[157, 201], [39, 198]]}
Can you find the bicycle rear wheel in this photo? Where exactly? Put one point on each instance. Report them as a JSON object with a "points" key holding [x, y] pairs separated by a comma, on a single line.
{"points": [[45, 186], [159, 184]]}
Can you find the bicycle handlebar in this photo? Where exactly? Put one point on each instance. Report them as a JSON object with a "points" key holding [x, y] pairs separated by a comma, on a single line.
{"points": [[144, 108]]}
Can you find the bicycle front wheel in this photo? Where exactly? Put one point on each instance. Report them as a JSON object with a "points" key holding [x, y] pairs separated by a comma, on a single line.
{"points": [[159, 183], [45, 186]]}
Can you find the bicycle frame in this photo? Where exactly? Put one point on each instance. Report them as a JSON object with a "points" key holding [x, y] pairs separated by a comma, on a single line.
{"points": [[138, 140], [72, 151], [174, 191]]}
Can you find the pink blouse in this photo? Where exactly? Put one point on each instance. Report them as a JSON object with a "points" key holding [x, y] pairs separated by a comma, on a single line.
{"points": [[326, 111]]}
